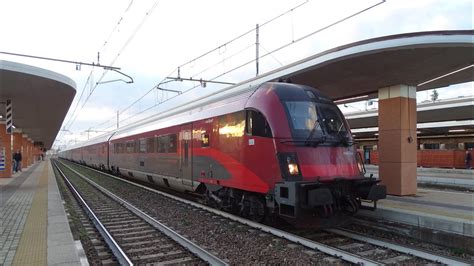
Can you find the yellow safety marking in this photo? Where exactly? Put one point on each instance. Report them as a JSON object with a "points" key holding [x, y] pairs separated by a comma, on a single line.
{"points": [[32, 249]]}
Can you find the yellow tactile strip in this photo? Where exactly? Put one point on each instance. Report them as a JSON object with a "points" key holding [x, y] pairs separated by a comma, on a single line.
{"points": [[32, 248]]}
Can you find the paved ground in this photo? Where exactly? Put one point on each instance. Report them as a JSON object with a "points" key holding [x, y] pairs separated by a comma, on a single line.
{"points": [[34, 228]]}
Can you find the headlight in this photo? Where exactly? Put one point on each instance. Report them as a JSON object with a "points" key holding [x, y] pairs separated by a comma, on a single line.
{"points": [[293, 169], [289, 166], [361, 167]]}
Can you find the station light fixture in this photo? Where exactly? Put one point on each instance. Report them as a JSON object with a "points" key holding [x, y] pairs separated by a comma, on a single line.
{"points": [[457, 130]]}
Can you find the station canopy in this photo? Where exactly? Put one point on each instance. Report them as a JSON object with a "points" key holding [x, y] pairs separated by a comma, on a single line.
{"points": [[356, 71], [40, 99]]}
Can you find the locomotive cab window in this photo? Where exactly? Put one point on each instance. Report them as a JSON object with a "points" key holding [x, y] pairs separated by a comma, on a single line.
{"points": [[257, 125], [315, 120]]}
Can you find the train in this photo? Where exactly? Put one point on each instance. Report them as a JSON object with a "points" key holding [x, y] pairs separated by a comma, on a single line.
{"points": [[269, 150]]}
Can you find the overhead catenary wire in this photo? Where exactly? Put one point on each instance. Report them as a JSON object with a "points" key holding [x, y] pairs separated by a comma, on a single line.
{"points": [[147, 14], [70, 121], [207, 53], [130, 38], [302, 38], [116, 26], [243, 34], [248, 62]]}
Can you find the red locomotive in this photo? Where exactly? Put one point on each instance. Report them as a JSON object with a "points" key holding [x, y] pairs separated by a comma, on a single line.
{"points": [[275, 149]]}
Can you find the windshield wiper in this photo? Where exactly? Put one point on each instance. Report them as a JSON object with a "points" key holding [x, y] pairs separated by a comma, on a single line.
{"points": [[309, 140]]}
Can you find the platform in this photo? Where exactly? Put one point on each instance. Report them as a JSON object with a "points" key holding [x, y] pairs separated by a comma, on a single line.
{"points": [[443, 210], [34, 226], [461, 178]]}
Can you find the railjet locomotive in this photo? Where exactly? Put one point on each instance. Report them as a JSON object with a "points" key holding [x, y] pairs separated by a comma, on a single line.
{"points": [[276, 149]]}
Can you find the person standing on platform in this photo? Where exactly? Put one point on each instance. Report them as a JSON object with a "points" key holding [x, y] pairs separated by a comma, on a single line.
{"points": [[468, 159], [17, 158]]}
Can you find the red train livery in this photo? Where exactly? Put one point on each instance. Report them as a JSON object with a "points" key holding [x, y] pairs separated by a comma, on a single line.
{"points": [[275, 149]]}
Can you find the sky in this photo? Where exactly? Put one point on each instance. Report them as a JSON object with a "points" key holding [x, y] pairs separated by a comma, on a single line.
{"points": [[148, 40]]}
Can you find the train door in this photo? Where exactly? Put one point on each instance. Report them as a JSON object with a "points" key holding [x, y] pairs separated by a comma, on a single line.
{"points": [[186, 156]]}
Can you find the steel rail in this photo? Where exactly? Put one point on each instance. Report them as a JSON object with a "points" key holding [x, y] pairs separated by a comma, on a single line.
{"points": [[344, 255], [122, 258], [407, 250], [195, 249]]}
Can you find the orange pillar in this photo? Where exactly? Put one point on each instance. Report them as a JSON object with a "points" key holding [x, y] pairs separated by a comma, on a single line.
{"points": [[17, 141], [397, 139], [30, 150], [35, 153], [5, 152], [24, 151]]}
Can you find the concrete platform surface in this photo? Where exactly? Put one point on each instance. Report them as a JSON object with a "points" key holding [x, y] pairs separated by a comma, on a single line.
{"points": [[447, 211], [461, 178], [34, 226]]}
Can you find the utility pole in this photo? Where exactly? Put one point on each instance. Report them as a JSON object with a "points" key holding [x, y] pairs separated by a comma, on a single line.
{"points": [[118, 119], [257, 47]]}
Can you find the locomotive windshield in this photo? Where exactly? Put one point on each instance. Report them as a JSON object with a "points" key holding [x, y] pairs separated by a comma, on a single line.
{"points": [[315, 121]]}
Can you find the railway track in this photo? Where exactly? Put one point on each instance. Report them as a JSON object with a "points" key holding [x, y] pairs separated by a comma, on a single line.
{"points": [[95, 247], [380, 250], [339, 246], [132, 236]]}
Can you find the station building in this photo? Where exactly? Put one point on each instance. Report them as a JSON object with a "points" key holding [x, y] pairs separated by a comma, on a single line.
{"points": [[445, 131]]}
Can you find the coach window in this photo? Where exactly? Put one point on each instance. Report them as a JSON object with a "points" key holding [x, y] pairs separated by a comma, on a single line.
{"points": [[257, 125], [142, 145], [121, 147], [150, 145], [131, 146], [172, 143], [117, 147], [162, 143]]}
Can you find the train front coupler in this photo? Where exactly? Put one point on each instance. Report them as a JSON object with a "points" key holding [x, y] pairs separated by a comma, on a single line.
{"points": [[369, 191]]}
